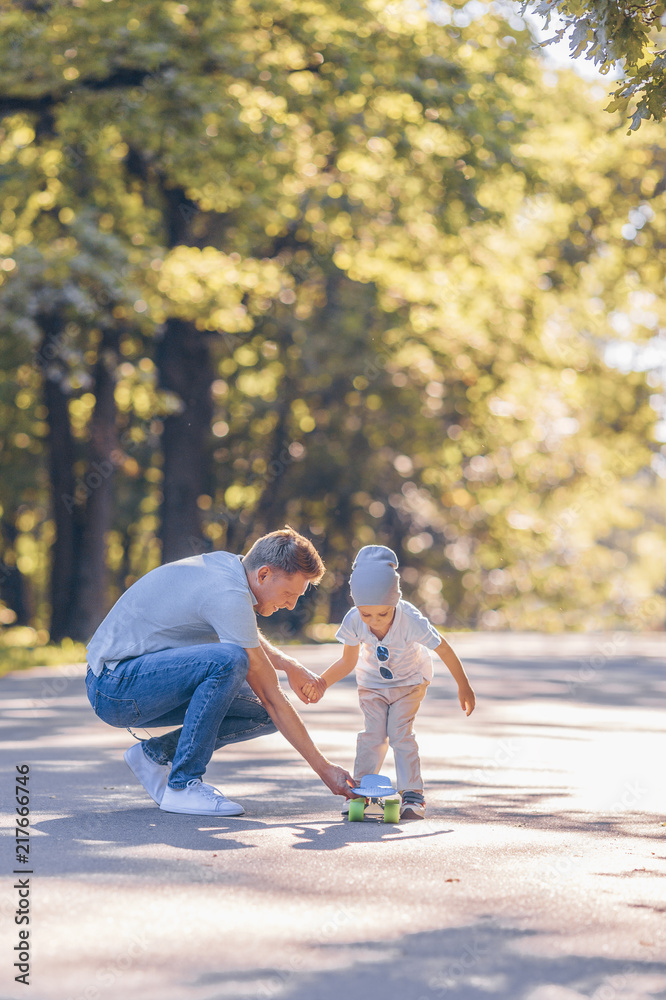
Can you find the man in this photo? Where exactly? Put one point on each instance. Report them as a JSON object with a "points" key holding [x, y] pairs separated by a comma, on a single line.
{"points": [[181, 647]]}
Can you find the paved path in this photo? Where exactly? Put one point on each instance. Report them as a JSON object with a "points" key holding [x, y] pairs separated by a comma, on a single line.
{"points": [[539, 875]]}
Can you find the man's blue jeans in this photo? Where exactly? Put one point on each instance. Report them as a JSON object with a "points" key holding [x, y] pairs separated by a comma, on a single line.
{"points": [[202, 688]]}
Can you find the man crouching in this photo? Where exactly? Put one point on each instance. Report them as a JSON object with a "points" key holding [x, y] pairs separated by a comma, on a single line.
{"points": [[181, 647]]}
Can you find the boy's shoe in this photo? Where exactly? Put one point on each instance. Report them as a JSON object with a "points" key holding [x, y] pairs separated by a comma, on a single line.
{"points": [[199, 799], [413, 805], [152, 776]]}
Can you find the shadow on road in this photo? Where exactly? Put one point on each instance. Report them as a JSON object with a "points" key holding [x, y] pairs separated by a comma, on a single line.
{"points": [[45, 713], [332, 836], [106, 842], [481, 961]]}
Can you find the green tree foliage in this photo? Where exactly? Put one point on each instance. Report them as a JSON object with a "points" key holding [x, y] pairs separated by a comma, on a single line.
{"points": [[340, 264], [614, 35]]}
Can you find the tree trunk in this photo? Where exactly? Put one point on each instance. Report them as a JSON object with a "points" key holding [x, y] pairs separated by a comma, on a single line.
{"points": [[14, 586], [64, 499], [269, 512], [89, 604], [184, 364]]}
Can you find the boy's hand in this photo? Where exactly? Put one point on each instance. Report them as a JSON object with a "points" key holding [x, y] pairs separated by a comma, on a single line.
{"points": [[313, 693], [466, 698]]}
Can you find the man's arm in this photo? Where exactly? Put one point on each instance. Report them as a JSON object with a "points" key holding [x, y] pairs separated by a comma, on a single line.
{"points": [[298, 676], [263, 680]]}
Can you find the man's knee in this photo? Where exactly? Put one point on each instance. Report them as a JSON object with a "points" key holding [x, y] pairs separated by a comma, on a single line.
{"points": [[233, 656]]}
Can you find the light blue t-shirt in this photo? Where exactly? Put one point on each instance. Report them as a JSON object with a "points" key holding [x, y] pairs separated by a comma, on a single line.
{"points": [[408, 641], [201, 599]]}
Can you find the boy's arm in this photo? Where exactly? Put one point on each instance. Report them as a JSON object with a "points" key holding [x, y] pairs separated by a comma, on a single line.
{"points": [[466, 695], [342, 666]]}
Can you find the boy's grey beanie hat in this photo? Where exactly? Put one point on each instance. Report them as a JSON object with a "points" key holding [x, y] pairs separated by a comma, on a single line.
{"points": [[374, 578]]}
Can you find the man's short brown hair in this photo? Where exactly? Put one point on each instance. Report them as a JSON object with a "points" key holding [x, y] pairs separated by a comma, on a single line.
{"points": [[287, 551]]}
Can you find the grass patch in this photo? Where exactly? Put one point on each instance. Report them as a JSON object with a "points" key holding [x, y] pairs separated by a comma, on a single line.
{"points": [[21, 648]]}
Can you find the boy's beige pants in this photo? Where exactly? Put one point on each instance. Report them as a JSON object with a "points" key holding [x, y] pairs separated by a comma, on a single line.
{"points": [[389, 717]]}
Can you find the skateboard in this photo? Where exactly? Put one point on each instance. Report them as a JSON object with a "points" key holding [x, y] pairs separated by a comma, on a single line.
{"points": [[375, 788]]}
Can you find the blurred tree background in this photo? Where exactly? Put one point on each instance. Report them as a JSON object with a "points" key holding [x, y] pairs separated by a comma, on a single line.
{"points": [[358, 267]]}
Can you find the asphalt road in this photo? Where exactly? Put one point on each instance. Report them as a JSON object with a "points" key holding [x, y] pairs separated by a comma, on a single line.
{"points": [[540, 873]]}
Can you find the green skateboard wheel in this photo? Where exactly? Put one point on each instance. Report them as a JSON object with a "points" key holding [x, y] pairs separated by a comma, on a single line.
{"points": [[392, 811], [356, 810]]}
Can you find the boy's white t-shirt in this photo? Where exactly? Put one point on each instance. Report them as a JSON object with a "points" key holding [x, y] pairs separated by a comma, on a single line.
{"points": [[408, 640], [201, 599]]}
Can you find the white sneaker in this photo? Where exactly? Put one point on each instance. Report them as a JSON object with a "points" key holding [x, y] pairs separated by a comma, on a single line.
{"points": [[152, 776], [199, 799]]}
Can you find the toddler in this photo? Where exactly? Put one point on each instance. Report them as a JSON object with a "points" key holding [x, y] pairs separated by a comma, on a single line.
{"points": [[393, 672]]}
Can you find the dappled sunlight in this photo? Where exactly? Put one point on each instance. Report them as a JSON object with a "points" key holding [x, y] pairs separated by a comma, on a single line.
{"points": [[378, 271], [537, 874]]}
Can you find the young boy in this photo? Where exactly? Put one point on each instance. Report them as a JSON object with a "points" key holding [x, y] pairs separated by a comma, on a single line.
{"points": [[393, 673]]}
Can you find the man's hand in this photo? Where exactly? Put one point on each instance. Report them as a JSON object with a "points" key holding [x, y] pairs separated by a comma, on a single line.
{"points": [[312, 693], [337, 779], [297, 675], [304, 682]]}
